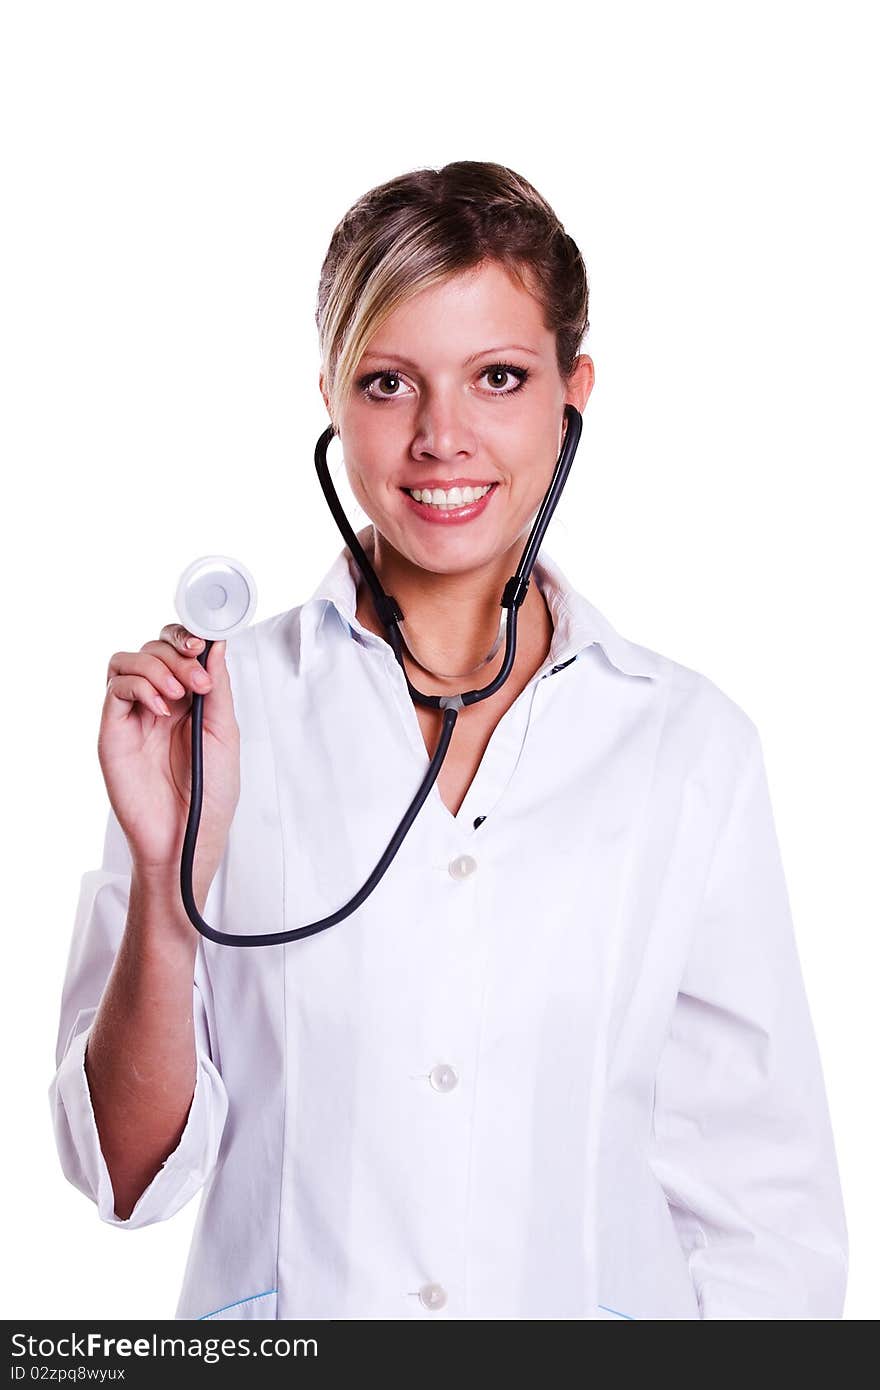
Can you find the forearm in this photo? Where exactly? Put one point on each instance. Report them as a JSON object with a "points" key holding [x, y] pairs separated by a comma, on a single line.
{"points": [[141, 1056]]}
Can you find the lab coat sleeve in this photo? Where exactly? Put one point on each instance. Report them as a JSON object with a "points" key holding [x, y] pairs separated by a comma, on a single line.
{"points": [[98, 928], [742, 1140]]}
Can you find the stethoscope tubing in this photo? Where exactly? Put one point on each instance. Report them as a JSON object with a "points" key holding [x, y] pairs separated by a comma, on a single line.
{"points": [[388, 613]]}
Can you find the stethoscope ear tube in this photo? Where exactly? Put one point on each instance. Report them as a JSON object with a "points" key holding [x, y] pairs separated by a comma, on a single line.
{"points": [[389, 613]]}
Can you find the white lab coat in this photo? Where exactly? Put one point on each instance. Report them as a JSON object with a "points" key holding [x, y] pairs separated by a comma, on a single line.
{"points": [[559, 1064]]}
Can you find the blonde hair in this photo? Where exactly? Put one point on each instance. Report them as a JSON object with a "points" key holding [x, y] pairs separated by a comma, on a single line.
{"points": [[419, 228]]}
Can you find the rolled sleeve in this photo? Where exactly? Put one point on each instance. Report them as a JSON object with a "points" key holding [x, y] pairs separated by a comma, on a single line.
{"points": [[184, 1171], [742, 1140], [98, 930]]}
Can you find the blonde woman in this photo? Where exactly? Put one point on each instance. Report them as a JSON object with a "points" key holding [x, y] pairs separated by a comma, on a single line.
{"points": [[560, 1063]]}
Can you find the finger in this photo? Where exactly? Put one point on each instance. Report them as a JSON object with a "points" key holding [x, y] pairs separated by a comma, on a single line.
{"points": [[124, 690], [183, 640], [188, 669], [172, 674]]}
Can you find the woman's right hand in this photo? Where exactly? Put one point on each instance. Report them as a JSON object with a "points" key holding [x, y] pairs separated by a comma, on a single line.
{"points": [[145, 755]]}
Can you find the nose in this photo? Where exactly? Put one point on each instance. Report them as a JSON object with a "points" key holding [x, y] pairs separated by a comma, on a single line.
{"points": [[442, 428]]}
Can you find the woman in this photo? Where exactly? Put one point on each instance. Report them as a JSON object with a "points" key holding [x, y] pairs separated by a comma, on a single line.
{"points": [[559, 1064]]}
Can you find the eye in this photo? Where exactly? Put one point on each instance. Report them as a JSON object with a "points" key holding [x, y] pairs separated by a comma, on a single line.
{"points": [[386, 375], [502, 369]]}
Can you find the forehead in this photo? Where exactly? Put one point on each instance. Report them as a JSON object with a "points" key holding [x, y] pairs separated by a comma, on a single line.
{"points": [[486, 303]]}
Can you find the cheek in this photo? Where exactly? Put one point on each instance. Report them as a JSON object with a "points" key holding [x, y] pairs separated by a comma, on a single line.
{"points": [[367, 483], [532, 471]]}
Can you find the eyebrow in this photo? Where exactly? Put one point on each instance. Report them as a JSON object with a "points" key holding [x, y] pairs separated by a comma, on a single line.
{"points": [[396, 357]]}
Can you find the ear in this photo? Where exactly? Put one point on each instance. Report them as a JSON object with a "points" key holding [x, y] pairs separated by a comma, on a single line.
{"points": [[323, 391], [580, 384]]}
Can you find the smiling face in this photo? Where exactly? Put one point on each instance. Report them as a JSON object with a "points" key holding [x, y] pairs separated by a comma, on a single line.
{"points": [[459, 387]]}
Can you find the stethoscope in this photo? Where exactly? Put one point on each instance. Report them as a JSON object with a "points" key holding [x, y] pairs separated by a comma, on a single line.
{"points": [[216, 586]]}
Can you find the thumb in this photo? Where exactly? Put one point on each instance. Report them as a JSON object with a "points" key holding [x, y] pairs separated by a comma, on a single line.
{"points": [[216, 665], [218, 704], [218, 697]]}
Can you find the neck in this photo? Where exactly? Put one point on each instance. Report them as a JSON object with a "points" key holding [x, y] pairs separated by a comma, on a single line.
{"points": [[451, 620]]}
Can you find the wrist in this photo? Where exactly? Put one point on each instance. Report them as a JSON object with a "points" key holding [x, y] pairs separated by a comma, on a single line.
{"points": [[155, 891]]}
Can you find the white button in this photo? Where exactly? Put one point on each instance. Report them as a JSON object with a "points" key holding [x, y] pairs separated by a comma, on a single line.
{"points": [[463, 866], [433, 1295], [444, 1078]]}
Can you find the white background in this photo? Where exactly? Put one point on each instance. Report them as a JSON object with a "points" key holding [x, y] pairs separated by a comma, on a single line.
{"points": [[172, 173]]}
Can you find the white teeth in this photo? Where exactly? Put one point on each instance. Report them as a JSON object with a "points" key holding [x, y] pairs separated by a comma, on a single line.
{"points": [[455, 497]]}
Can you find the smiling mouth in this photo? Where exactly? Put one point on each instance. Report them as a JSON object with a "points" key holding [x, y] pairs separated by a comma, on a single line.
{"points": [[449, 512], [451, 499]]}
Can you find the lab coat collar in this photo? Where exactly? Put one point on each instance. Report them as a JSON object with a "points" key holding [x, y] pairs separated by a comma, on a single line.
{"points": [[577, 623]]}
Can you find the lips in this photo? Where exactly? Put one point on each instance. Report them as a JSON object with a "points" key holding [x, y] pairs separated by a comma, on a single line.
{"points": [[452, 516]]}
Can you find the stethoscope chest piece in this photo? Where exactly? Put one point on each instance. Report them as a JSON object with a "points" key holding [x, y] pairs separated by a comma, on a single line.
{"points": [[216, 597]]}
